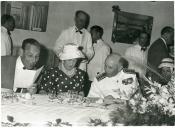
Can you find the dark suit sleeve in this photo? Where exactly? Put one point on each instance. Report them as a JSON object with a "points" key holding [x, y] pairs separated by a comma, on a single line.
{"points": [[156, 53]]}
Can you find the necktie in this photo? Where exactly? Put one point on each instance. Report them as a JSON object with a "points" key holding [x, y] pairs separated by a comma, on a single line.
{"points": [[79, 31], [10, 42], [9, 33], [143, 48], [80, 48]]}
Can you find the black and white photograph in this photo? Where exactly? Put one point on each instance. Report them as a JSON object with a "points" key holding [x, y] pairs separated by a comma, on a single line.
{"points": [[87, 63]]}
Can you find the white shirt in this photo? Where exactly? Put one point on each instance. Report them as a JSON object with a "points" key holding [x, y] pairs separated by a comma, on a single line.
{"points": [[96, 65], [5, 42], [24, 78], [114, 86], [71, 36], [164, 41], [138, 58]]}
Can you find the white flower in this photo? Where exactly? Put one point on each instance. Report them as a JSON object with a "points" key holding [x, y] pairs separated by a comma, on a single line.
{"points": [[143, 107], [171, 101], [153, 90], [162, 100], [132, 102], [173, 111], [143, 99], [157, 84]]}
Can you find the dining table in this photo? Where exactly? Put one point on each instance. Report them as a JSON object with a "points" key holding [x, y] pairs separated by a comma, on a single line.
{"points": [[40, 110]]}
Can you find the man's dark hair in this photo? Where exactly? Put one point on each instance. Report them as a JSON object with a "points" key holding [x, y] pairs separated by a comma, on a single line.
{"points": [[81, 11], [123, 62], [167, 29], [30, 41], [5, 18], [87, 16], [97, 29]]}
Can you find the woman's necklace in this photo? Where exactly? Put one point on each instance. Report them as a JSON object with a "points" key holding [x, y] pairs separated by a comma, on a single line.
{"points": [[70, 73]]}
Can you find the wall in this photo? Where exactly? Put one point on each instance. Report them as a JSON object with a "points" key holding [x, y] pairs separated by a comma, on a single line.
{"points": [[61, 16]]}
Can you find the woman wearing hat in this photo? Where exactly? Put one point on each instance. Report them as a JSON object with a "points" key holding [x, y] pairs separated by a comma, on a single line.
{"points": [[67, 76]]}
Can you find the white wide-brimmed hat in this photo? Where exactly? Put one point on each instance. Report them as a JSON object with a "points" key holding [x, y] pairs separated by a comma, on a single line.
{"points": [[167, 62], [70, 51]]}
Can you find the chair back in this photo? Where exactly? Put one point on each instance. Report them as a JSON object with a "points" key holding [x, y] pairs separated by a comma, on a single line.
{"points": [[8, 64]]}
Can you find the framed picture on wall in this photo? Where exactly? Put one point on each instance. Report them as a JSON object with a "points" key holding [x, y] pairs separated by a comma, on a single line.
{"points": [[127, 26], [28, 15]]}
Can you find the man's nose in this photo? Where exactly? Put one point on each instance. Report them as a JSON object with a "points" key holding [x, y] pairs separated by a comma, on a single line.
{"points": [[71, 64], [34, 60]]}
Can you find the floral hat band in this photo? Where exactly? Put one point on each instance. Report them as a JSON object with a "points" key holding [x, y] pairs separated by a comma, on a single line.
{"points": [[70, 51], [167, 62]]}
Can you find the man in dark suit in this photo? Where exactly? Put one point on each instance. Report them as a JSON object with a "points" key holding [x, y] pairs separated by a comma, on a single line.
{"points": [[159, 48], [13, 69]]}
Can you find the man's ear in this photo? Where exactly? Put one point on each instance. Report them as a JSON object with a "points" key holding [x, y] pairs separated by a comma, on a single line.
{"points": [[120, 67], [20, 52]]}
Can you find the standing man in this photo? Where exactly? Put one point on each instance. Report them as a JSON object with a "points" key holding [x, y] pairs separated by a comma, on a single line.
{"points": [[137, 54], [79, 36], [101, 49], [159, 48], [7, 25]]}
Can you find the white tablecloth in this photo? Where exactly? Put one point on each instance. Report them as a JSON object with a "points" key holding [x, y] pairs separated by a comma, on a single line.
{"points": [[43, 110]]}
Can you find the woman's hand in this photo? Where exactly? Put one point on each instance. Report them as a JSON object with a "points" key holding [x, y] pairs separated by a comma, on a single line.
{"points": [[42, 92], [81, 93], [109, 100]]}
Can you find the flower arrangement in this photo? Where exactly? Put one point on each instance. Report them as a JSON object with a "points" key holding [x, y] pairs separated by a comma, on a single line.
{"points": [[158, 108], [97, 122], [58, 122]]}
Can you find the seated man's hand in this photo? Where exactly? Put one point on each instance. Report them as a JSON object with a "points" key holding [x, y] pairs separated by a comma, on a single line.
{"points": [[119, 101], [109, 100], [81, 93], [32, 89]]}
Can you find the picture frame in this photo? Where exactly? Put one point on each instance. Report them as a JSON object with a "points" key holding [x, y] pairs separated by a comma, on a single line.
{"points": [[29, 15], [127, 26]]}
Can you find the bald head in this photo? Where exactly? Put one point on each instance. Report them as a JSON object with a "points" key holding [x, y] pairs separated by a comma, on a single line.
{"points": [[113, 64]]}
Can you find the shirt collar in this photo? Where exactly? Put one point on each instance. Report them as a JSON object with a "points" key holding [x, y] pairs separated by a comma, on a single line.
{"points": [[3, 29], [21, 65], [164, 41], [117, 75], [75, 28], [138, 46], [99, 41], [19, 62]]}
